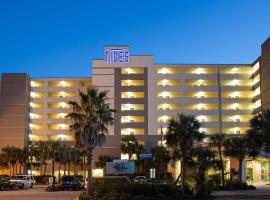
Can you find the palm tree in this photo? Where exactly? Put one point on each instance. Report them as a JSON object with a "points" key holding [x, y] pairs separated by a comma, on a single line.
{"points": [[129, 145], [183, 131], [237, 148], [11, 154], [90, 119], [218, 142], [102, 159], [52, 153], [259, 132], [76, 159], [204, 159], [22, 158], [32, 152], [43, 155], [161, 158]]}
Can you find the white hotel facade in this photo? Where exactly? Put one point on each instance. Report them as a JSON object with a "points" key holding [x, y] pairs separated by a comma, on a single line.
{"points": [[145, 95]]}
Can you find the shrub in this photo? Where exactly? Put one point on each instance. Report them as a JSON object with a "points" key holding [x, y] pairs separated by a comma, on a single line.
{"points": [[237, 185], [214, 182]]}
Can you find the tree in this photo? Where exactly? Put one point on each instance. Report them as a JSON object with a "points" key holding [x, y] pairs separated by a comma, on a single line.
{"points": [[259, 132], [183, 131], [43, 155], [11, 154], [161, 158], [22, 158], [52, 153], [218, 142], [102, 159], [31, 151], [129, 145], [237, 148], [90, 119], [76, 159], [204, 159]]}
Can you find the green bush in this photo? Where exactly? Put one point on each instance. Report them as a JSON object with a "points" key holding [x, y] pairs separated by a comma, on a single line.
{"points": [[214, 182]]}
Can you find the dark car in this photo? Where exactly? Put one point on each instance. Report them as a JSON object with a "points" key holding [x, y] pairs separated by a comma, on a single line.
{"points": [[70, 182], [5, 184]]}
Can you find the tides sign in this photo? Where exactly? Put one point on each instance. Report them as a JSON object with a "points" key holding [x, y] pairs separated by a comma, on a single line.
{"points": [[116, 54]]}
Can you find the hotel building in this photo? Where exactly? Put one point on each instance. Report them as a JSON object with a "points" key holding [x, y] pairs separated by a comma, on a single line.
{"points": [[223, 97]]}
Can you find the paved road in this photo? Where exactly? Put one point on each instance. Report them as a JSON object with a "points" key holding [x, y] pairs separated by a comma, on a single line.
{"points": [[37, 193]]}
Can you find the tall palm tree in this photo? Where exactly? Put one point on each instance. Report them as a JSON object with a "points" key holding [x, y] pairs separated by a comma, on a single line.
{"points": [[102, 159], [237, 148], [43, 155], [161, 159], [259, 132], [129, 145], [11, 153], [182, 132], [52, 153], [32, 152], [76, 159], [218, 142], [90, 119], [204, 159], [22, 158]]}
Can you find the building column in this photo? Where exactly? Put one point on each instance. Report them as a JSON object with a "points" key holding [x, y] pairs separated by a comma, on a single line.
{"points": [[244, 175]]}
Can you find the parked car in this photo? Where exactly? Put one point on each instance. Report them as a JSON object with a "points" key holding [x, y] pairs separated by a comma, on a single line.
{"points": [[68, 182], [5, 184], [22, 181], [141, 179], [32, 179]]}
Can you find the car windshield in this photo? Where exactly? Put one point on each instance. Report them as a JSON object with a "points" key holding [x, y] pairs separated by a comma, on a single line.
{"points": [[17, 177], [68, 178]]}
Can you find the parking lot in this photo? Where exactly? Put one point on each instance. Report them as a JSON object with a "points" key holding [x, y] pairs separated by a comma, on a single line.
{"points": [[38, 192]]}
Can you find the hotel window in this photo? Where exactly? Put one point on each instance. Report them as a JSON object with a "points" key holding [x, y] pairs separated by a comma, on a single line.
{"points": [[132, 82], [132, 131], [166, 106], [166, 94], [168, 70], [132, 119], [132, 71], [165, 82], [36, 94], [132, 107], [37, 84], [130, 95]]}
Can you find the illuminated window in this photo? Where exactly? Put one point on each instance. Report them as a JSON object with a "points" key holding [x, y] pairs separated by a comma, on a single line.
{"points": [[130, 95], [132, 119], [132, 82], [166, 94], [132, 71], [201, 118], [200, 106], [132, 106], [132, 131], [200, 95]]}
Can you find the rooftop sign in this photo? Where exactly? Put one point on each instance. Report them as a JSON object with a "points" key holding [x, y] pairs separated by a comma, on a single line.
{"points": [[116, 54]]}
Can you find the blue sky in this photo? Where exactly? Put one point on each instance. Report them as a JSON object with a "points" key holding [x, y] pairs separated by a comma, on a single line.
{"points": [[57, 38]]}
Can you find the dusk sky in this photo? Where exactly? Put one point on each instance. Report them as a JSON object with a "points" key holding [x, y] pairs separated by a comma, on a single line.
{"points": [[59, 38]]}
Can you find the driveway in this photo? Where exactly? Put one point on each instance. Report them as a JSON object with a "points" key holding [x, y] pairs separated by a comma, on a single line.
{"points": [[38, 193]]}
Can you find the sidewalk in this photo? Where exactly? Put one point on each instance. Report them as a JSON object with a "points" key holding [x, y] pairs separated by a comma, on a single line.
{"points": [[262, 192]]}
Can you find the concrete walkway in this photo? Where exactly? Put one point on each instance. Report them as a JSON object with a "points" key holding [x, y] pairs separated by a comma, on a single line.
{"points": [[262, 192]]}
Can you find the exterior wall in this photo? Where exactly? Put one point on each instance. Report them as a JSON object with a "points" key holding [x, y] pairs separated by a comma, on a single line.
{"points": [[265, 73], [48, 106], [14, 110]]}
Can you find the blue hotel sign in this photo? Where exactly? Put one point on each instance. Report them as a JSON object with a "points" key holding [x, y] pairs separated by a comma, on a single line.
{"points": [[116, 54]]}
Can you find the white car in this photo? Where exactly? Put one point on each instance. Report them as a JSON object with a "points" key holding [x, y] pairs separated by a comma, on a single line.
{"points": [[22, 181]]}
